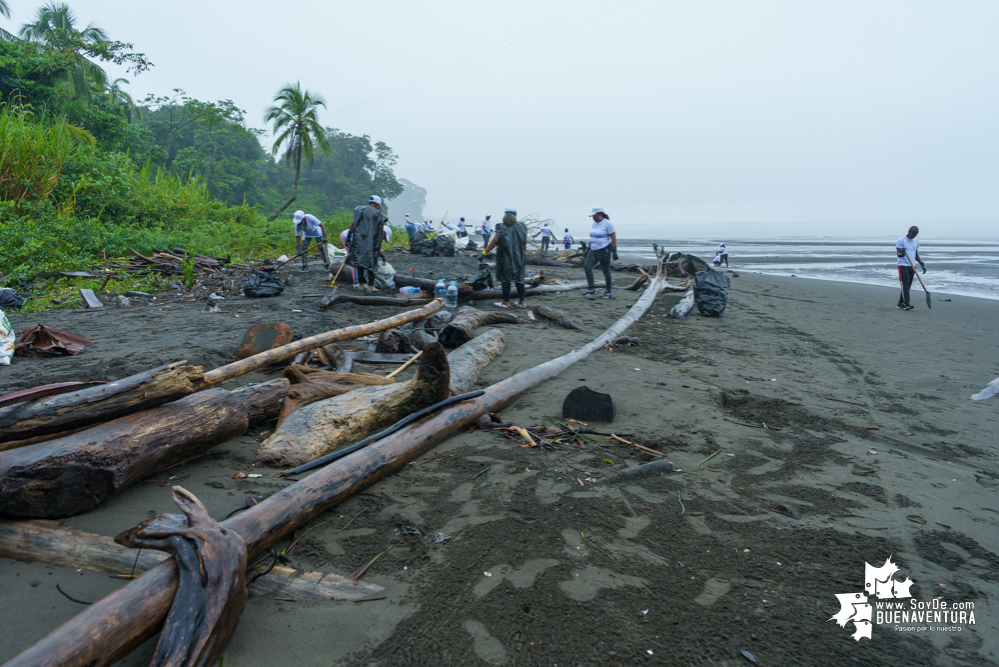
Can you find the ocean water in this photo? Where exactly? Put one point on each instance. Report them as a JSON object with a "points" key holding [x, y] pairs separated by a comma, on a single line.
{"points": [[967, 267]]}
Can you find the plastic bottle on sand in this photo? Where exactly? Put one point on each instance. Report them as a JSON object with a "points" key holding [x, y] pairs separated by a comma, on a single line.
{"points": [[440, 289], [451, 300]]}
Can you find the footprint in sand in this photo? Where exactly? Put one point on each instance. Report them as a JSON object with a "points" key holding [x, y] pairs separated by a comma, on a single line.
{"points": [[486, 646], [713, 589]]}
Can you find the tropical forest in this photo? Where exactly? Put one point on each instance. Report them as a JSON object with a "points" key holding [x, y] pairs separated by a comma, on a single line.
{"points": [[88, 172]]}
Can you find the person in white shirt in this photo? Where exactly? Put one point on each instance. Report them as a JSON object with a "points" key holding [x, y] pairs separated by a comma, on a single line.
{"points": [[486, 231], [461, 228], [309, 230], [448, 226], [410, 227], [546, 236], [723, 251], [386, 233], [906, 249], [567, 240], [603, 247]]}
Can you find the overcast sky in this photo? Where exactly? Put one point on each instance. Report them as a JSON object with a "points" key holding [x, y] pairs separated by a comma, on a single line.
{"points": [[679, 118]]}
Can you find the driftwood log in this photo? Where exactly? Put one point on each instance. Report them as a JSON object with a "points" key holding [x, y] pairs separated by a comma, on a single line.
{"points": [[559, 317], [43, 391], [336, 296], [112, 627], [468, 360], [309, 385], [66, 412], [639, 281], [43, 541], [541, 260], [211, 588], [462, 328], [680, 310], [288, 351], [531, 291], [396, 341], [73, 474], [321, 427]]}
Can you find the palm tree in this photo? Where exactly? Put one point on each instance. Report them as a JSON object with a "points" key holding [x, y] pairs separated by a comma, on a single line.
{"points": [[53, 18], [296, 124], [120, 98], [5, 11]]}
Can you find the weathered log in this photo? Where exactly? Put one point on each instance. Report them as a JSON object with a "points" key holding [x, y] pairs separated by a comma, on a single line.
{"points": [[468, 360], [43, 391], [211, 591], [69, 475], [310, 387], [43, 541], [639, 281], [531, 291], [421, 338], [395, 341], [559, 317], [336, 296], [100, 403], [541, 260], [112, 627], [462, 328], [680, 310], [320, 428], [288, 351]]}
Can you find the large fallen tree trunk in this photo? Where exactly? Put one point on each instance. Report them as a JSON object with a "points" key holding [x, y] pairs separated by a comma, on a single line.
{"points": [[531, 291], [43, 541], [310, 385], [468, 360], [69, 475], [321, 427], [680, 310], [66, 412], [288, 351], [462, 328], [112, 627]]}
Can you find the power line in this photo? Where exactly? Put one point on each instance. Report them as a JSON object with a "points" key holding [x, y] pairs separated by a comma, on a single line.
{"points": [[401, 91]]}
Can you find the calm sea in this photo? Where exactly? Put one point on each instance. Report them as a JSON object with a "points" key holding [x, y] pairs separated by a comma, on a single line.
{"points": [[968, 267]]}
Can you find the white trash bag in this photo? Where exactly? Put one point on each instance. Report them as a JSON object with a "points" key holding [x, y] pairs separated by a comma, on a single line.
{"points": [[6, 340], [384, 276], [991, 389]]}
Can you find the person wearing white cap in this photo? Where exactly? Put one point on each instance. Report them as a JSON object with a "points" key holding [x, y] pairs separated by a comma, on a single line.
{"points": [[366, 233], [547, 234], [603, 247], [511, 245], [486, 230], [309, 230], [724, 254], [410, 227]]}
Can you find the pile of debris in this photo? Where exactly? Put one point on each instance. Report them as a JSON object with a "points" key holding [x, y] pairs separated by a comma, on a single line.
{"points": [[170, 263]]}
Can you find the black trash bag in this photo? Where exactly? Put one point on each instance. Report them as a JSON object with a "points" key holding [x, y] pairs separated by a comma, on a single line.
{"points": [[445, 246], [711, 292], [262, 284], [10, 299], [483, 279], [471, 245], [417, 243]]}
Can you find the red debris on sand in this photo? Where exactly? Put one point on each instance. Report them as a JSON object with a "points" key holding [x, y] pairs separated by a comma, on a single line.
{"points": [[43, 341]]}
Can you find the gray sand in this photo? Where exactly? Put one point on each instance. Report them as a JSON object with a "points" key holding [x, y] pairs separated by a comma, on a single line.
{"points": [[602, 554]]}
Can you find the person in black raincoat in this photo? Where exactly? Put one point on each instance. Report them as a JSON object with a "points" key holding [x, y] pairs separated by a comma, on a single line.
{"points": [[365, 236], [510, 242]]}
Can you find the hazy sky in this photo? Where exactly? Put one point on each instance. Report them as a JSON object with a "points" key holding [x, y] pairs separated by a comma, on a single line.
{"points": [[679, 118]]}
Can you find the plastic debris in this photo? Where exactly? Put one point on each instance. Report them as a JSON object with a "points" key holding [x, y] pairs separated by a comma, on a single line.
{"points": [[991, 389]]}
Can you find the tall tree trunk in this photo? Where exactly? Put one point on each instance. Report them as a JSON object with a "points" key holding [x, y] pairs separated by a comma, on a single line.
{"points": [[294, 195]]}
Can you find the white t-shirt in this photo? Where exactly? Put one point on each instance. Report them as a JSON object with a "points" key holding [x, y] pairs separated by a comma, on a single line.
{"points": [[448, 225], [600, 234], [911, 246], [309, 226], [567, 239], [724, 250], [546, 231], [486, 227], [461, 226], [387, 232]]}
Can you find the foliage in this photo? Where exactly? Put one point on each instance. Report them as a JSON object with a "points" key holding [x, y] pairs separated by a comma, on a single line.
{"points": [[33, 154], [296, 124]]}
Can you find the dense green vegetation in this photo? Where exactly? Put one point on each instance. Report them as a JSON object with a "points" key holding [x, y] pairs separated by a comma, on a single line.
{"points": [[86, 172]]}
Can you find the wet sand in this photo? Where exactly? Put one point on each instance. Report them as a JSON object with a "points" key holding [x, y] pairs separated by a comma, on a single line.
{"points": [[543, 566]]}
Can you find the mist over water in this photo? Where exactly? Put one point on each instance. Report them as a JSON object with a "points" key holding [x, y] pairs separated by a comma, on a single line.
{"points": [[967, 267]]}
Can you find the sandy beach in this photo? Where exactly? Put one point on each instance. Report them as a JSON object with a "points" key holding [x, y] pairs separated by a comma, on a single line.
{"points": [[544, 566]]}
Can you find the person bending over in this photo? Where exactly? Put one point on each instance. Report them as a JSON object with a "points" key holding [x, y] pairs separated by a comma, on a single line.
{"points": [[309, 230]]}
